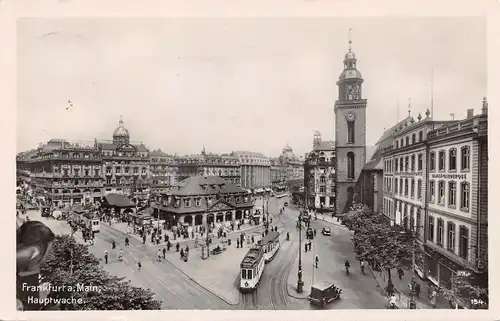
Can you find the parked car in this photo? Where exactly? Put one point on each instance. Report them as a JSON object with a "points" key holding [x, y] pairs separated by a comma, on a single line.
{"points": [[326, 231]]}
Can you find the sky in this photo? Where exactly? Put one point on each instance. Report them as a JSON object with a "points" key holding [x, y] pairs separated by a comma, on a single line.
{"points": [[252, 84]]}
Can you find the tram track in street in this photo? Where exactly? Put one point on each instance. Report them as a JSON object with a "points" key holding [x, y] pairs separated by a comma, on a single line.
{"points": [[279, 281], [249, 300], [166, 271]]}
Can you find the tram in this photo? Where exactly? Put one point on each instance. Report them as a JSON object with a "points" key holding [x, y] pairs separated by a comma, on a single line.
{"points": [[251, 269], [270, 244]]}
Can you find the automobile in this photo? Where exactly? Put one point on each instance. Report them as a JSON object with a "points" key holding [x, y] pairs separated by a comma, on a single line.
{"points": [[326, 231], [285, 204], [304, 217], [323, 294]]}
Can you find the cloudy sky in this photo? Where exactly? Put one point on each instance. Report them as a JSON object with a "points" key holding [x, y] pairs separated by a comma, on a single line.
{"points": [[236, 83]]}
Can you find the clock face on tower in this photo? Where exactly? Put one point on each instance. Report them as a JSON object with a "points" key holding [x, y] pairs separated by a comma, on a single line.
{"points": [[350, 116]]}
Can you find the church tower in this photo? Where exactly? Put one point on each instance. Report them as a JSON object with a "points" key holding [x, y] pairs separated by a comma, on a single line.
{"points": [[350, 132]]}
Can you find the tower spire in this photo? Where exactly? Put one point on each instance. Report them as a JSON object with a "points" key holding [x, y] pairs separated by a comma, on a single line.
{"points": [[121, 120], [409, 107], [350, 41]]}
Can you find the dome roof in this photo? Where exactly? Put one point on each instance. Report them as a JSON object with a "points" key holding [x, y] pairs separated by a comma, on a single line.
{"points": [[121, 131], [350, 74], [350, 56]]}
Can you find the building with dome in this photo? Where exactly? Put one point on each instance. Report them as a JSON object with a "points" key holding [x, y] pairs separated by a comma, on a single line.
{"points": [[287, 169], [125, 165]]}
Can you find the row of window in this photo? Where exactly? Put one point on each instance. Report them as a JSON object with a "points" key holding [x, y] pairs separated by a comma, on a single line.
{"points": [[322, 189], [436, 235], [111, 153], [452, 159], [323, 179], [403, 142], [415, 162], [126, 170], [76, 155], [196, 201], [76, 172], [404, 187], [452, 194], [409, 163]]}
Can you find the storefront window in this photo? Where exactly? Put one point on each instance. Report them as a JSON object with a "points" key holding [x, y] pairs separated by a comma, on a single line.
{"points": [[445, 277], [432, 268]]}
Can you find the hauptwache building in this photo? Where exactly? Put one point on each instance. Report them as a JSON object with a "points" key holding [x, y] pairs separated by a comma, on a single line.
{"points": [[432, 172]]}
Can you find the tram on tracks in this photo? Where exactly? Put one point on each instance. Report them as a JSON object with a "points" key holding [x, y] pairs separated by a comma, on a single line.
{"points": [[271, 244], [251, 269]]}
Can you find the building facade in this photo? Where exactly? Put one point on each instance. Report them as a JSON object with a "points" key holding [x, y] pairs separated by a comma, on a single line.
{"points": [[453, 219], [255, 169], [125, 166], [225, 166], [373, 179], [431, 178], [163, 169], [64, 173], [350, 132], [201, 200], [319, 174]]}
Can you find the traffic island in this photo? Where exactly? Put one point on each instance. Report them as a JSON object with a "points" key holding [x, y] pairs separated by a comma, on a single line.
{"points": [[217, 273]]}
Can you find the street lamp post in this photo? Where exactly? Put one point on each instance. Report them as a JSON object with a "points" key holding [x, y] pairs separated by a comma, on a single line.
{"points": [[300, 283], [267, 214], [208, 239]]}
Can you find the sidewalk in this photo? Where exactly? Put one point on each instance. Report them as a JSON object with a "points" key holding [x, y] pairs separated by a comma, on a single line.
{"points": [[329, 219], [246, 228], [307, 275], [403, 291], [218, 273]]}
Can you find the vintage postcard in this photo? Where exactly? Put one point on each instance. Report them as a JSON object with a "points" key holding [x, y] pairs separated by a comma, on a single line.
{"points": [[252, 163]]}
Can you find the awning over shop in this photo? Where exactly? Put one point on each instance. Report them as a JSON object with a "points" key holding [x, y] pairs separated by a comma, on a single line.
{"points": [[117, 200]]}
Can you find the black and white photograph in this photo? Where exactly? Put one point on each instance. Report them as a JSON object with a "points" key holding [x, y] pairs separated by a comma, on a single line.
{"points": [[253, 163]]}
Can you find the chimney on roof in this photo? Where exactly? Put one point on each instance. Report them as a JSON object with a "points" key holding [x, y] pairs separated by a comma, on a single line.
{"points": [[470, 113]]}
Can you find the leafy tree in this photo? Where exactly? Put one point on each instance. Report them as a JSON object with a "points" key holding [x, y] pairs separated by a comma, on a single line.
{"points": [[375, 241], [71, 264]]}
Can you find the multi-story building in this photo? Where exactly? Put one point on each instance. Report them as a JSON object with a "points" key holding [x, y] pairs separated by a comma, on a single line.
{"points": [[255, 169], [376, 171], [431, 176], [454, 218], [23, 169], [63, 172], [163, 171], [350, 132], [125, 165], [225, 166], [201, 200], [292, 167], [319, 174], [278, 174]]}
